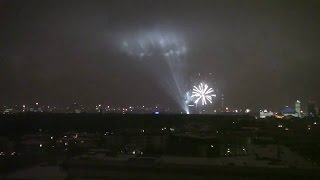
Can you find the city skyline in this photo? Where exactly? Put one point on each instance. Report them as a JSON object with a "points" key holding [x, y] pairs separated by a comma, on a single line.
{"points": [[310, 108]]}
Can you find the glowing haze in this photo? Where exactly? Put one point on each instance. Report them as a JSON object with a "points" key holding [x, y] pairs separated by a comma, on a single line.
{"points": [[161, 45], [154, 43]]}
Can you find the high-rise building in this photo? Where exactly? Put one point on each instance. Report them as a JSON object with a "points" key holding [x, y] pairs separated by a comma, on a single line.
{"points": [[222, 102], [298, 108], [311, 108]]}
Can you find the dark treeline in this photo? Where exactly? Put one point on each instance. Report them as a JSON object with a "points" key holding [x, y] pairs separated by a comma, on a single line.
{"points": [[18, 124]]}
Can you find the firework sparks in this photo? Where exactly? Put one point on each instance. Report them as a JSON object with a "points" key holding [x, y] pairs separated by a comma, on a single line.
{"points": [[203, 93]]}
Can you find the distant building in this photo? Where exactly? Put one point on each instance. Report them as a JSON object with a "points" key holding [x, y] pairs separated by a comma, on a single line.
{"points": [[222, 102], [265, 113], [298, 108], [74, 108], [311, 108], [8, 111], [187, 144], [288, 111]]}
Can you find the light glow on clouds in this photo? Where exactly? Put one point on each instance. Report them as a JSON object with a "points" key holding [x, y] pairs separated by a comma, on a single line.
{"points": [[160, 45], [154, 43]]}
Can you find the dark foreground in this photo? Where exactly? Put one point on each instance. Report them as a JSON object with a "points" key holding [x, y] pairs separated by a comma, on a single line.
{"points": [[113, 146]]}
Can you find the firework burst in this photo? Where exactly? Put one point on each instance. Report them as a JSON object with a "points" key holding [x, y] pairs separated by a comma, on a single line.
{"points": [[203, 93]]}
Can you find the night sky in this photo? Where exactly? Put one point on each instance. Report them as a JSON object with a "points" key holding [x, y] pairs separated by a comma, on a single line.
{"points": [[262, 53]]}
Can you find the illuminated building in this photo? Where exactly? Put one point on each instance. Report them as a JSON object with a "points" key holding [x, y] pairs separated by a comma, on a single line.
{"points": [[8, 111], [265, 113], [289, 112], [298, 108], [222, 102]]}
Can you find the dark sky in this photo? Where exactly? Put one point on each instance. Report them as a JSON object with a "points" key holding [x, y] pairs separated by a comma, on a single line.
{"points": [[262, 53]]}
